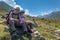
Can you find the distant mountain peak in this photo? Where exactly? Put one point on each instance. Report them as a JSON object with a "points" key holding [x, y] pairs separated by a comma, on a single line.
{"points": [[54, 15]]}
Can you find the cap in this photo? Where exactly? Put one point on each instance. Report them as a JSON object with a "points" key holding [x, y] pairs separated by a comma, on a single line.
{"points": [[22, 11]]}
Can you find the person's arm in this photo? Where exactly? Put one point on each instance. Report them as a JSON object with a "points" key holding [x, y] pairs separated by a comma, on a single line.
{"points": [[23, 19], [10, 16], [16, 19]]}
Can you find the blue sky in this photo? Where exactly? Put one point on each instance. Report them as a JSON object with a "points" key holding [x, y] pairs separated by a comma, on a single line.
{"points": [[35, 7], [39, 7]]}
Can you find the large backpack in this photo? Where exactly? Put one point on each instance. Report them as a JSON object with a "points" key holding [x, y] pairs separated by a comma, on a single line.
{"points": [[7, 18]]}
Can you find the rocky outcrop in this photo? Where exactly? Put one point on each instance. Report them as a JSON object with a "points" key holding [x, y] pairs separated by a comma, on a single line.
{"points": [[37, 35], [57, 34]]}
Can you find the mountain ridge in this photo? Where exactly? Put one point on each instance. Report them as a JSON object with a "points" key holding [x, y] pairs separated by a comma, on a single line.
{"points": [[54, 15], [4, 7]]}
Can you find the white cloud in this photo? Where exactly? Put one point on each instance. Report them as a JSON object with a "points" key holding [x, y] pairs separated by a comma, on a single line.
{"points": [[45, 13], [33, 15], [12, 3], [19, 7], [27, 11]]}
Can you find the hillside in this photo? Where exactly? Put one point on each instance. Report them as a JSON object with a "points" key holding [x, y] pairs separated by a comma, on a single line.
{"points": [[45, 27], [4, 7], [55, 14]]}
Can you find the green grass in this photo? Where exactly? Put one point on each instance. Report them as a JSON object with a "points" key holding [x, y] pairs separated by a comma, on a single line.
{"points": [[44, 29], [2, 33]]}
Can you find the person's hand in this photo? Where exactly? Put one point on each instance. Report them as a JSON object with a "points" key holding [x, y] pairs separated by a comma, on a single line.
{"points": [[11, 19], [16, 19]]}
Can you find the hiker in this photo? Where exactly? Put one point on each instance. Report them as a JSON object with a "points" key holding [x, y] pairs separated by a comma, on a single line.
{"points": [[27, 26], [17, 19], [14, 20], [23, 22], [7, 18]]}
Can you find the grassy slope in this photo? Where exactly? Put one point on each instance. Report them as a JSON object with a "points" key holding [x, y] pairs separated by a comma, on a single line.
{"points": [[4, 8], [2, 33], [44, 29], [46, 25]]}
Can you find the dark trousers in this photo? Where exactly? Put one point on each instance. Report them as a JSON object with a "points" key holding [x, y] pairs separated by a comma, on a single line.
{"points": [[13, 25]]}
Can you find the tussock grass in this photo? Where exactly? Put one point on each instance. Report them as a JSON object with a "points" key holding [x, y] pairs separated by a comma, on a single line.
{"points": [[44, 29]]}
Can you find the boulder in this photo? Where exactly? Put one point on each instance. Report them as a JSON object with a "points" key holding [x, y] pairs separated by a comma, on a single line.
{"points": [[38, 36], [57, 33]]}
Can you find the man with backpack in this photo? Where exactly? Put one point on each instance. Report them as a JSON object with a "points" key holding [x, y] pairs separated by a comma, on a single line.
{"points": [[15, 21]]}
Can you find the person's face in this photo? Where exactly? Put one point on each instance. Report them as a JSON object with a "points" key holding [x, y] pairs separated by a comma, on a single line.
{"points": [[22, 14], [16, 10]]}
